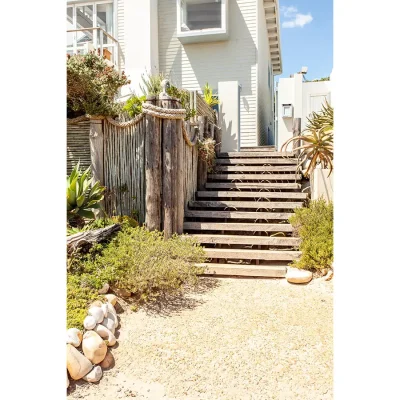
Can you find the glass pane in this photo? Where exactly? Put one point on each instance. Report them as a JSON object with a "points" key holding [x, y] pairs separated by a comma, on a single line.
{"points": [[105, 17], [84, 19], [202, 14], [70, 26]]}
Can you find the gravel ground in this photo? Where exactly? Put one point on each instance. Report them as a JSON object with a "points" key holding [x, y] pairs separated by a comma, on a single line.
{"points": [[229, 339]]}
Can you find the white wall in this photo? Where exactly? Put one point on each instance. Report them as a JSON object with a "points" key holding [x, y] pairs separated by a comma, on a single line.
{"points": [[192, 65], [285, 125], [305, 98], [265, 110], [139, 24], [321, 184]]}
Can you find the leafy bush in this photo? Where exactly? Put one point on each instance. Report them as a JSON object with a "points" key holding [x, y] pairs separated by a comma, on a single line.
{"points": [[314, 225], [133, 106], [83, 196], [92, 85], [134, 259]]}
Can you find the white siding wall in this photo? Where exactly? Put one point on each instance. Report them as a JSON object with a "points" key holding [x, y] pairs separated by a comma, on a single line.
{"points": [[265, 115], [121, 32], [192, 65]]}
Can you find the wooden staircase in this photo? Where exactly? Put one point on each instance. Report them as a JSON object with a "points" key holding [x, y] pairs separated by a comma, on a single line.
{"points": [[241, 218]]}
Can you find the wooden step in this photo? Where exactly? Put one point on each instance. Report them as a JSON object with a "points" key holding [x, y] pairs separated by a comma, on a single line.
{"points": [[245, 204], [256, 168], [255, 177], [253, 254], [259, 148], [255, 195], [236, 226], [231, 161], [252, 185], [239, 154], [265, 271], [247, 240], [236, 215]]}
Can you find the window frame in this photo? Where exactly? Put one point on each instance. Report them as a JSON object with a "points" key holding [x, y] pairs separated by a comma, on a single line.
{"points": [[203, 35]]}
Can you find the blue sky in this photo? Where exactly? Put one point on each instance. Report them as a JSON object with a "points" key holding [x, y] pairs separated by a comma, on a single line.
{"points": [[306, 37]]}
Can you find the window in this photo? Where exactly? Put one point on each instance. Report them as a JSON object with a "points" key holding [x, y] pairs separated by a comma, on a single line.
{"points": [[202, 20]]}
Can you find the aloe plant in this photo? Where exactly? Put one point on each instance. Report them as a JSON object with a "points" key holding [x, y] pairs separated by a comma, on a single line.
{"points": [[317, 138], [208, 96], [83, 195]]}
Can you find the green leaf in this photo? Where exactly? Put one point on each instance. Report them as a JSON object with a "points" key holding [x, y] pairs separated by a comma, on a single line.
{"points": [[80, 200], [86, 214]]}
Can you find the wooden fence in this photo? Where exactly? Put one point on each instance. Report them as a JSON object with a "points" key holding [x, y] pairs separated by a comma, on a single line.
{"points": [[150, 166], [78, 145]]}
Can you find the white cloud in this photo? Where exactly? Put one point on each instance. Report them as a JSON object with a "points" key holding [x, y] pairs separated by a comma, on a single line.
{"points": [[296, 19], [288, 11]]}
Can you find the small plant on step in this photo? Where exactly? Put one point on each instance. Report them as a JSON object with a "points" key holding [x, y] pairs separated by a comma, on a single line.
{"points": [[207, 152], [209, 98]]}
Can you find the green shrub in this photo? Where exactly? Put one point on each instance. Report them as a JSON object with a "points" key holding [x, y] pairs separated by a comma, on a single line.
{"points": [[133, 106], [134, 259], [83, 196], [92, 85], [314, 225]]}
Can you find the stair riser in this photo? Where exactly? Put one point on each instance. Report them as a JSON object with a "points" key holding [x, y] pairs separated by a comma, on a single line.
{"points": [[252, 255], [247, 240], [255, 177], [254, 195], [256, 168], [258, 185], [238, 227], [260, 154], [261, 161], [237, 215], [251, 270], [269, 205]]}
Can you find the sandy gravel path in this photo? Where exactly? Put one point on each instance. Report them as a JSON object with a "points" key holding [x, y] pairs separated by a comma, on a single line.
{"points": [[229, 339]]}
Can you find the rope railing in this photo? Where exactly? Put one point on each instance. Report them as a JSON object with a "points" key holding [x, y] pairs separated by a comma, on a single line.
{"points": [[155, 111]]}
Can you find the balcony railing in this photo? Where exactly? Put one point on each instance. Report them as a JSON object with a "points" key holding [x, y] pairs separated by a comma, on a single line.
{"points": [[81, 41]]}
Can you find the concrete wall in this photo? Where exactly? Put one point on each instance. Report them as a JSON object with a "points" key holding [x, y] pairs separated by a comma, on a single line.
{"points": [[321, 185], [192, 65], [305, 98], [265, 83], [138, 35]]}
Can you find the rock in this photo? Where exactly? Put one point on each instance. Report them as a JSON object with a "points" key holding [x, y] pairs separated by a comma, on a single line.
{"points": [[122, 292], [111, 298], [74, 337], [329, 275], [94, 375], [67, 380], [112, 314], [106, 334], [94, 347], [89, 322], [108, 361], [324, 271], [295, 275], [105, 310], [109, 323], [77, 364], [97, 313], [96, 303], [104, 289]]}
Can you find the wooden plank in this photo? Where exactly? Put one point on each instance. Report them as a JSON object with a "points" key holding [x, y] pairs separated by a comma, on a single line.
{"points": [[253, 254], [235, 226], [261, 154], [255, 177], [231, 161], [252, 185], [167, 178], [256, 168], [180, 160], [245, 204], [265, 195], [96, 139], [153, 171], [247, 240], [265, 271], [236, 215]]}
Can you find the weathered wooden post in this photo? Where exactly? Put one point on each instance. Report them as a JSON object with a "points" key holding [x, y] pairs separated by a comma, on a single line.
{"points": [[153, 169], [297, 130], [202, 164], [96, 139], [168, 137], [180, 197]]}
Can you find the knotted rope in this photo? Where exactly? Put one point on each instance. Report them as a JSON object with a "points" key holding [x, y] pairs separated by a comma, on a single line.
{"points": [[155, 111]]}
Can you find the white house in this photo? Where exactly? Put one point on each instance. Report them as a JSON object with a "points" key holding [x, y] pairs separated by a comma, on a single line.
{"points": [[234, 45], [297, 98]]}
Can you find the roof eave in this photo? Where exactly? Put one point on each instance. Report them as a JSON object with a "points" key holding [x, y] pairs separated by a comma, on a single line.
{"points": [[271, 9]]}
